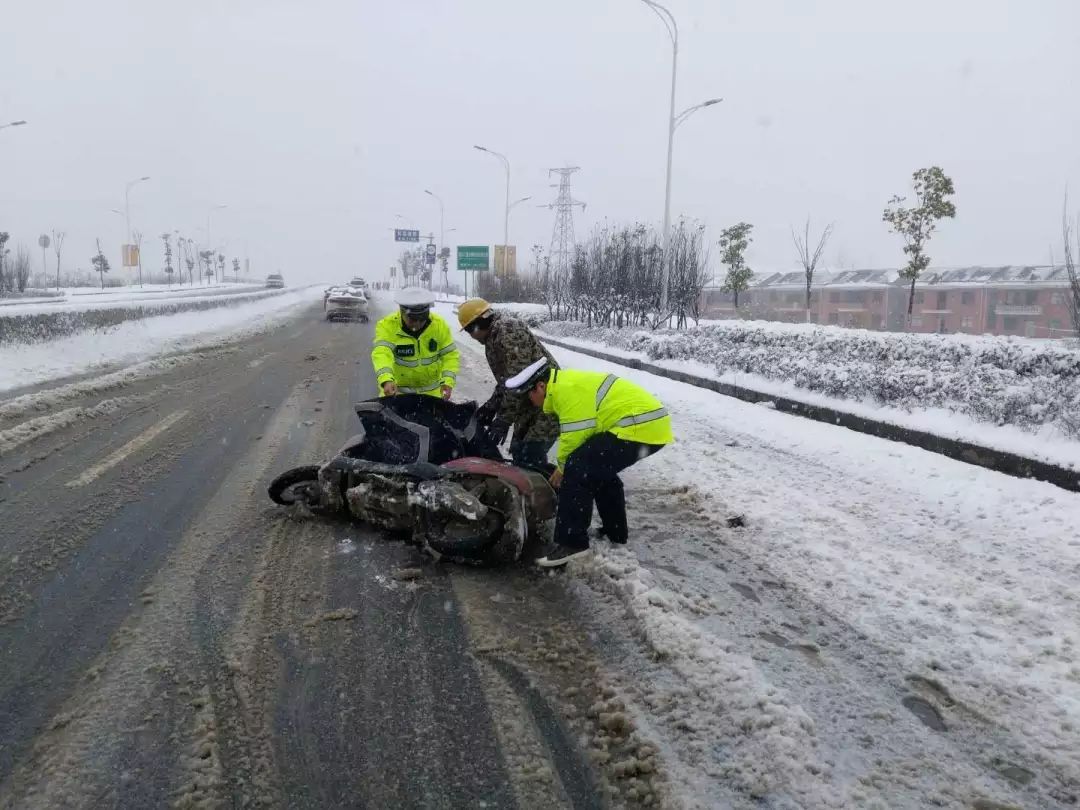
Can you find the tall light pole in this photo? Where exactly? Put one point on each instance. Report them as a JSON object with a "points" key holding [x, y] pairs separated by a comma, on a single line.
{"points": [[668, 19], [127, 210], [506, 215], [442, 230], [13, 124]]}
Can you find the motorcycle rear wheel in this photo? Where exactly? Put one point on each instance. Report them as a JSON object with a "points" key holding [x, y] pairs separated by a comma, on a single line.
{"points": [[297, 484]]}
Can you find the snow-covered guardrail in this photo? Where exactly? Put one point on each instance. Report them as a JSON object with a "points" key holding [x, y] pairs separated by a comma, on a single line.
{"points": [[36, 327]]}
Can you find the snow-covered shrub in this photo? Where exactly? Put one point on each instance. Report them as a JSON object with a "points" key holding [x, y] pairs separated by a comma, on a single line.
{"points": [[993, 379]]}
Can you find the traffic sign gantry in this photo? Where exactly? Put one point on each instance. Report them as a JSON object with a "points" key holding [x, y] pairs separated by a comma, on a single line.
{"points": [[472, 257]]}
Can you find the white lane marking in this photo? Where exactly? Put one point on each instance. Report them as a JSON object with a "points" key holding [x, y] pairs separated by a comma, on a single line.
{"points": [[133, 446]]}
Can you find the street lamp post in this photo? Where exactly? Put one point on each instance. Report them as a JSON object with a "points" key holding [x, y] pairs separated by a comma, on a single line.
{"points": [[127, 213], [668, 19], [442, 229], [13, 124], [506, 213]]}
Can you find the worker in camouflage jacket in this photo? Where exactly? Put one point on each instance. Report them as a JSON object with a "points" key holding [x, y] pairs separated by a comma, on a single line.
{"points": [[511, 347]]}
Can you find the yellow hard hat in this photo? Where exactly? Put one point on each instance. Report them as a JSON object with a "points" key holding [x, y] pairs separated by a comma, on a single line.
{"points": [[471, 310]]}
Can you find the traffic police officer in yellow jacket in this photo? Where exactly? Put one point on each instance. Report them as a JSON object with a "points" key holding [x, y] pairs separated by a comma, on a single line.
{"points": [[606, 423], [414, 351]]}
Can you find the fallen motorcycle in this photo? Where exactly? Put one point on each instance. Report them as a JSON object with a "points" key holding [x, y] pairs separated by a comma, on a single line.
{"points": [[424, 467]]}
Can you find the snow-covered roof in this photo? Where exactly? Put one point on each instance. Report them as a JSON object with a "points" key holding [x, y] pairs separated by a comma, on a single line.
{"points": [[1006, 276], [794, 279], [863, 278], [994, 276]]}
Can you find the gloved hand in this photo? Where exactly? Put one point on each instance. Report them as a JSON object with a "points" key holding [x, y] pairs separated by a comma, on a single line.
{"points": [[498, 430]]}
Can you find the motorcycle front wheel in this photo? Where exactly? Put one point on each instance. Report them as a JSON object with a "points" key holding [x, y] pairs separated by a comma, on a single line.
{"points": [[297, 484]]}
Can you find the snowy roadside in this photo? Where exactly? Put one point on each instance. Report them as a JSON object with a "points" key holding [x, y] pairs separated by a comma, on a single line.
{"points": [[891, 629], [140, 340], [953, 575]]}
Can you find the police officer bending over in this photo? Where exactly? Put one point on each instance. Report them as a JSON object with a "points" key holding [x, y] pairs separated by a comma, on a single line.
{"points": [[414, 351], [606, 423]]}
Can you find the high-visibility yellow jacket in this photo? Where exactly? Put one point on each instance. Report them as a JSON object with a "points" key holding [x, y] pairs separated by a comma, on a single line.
{"points": [[417, 364], [591, 402]]}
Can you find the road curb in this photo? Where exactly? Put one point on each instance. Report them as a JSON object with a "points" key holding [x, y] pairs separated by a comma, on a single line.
{"points": [[988, 457]]}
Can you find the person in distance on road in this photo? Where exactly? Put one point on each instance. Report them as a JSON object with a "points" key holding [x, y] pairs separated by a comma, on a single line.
{"points": [[414, 350], [606, 423], [510, 347]]}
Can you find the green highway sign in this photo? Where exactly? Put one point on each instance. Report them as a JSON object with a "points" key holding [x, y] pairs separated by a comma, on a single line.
{"points": [[472, 257]]}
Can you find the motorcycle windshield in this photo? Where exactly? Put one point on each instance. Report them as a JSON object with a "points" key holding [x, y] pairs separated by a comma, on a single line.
{"points": [[412, 427]]}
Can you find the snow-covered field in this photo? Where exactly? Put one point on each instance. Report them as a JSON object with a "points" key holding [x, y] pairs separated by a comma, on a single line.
{"points": [[139, 340], [891, 628]]}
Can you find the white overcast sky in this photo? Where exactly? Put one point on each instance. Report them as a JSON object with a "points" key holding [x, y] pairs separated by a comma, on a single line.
{"points": [[317, 122]]}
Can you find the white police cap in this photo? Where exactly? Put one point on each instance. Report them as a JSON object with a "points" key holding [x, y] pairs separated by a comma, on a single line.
{"points": [[414, 298], [528, 376]]}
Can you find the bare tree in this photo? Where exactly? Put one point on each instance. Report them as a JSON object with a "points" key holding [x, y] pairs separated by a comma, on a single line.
{"points": [[21, 268], [58, 244], [168, 268], [689, 271], [207, 257], [1068, 234], [4, 251], [809, 258]]}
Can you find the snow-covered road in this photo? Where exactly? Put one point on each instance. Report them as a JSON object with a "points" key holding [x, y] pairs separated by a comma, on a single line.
{"points": [[890, 629]]}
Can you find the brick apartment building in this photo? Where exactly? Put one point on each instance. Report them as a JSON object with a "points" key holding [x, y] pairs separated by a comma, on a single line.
{"points": [[1032, 301]]}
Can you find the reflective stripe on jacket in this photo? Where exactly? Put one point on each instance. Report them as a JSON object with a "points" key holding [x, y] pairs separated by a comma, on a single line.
{"points": [[591, 402], [419, 364]]}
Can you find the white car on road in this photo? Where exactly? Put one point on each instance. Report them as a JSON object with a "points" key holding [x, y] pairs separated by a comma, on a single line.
{"points": [[345, 303]]}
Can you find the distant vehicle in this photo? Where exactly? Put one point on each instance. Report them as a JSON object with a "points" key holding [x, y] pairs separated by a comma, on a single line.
{"points": [[345, 304], [357, 282], [275, 281]]}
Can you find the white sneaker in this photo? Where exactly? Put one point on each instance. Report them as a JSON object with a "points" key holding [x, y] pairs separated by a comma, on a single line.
{"points": [[559, 556]]}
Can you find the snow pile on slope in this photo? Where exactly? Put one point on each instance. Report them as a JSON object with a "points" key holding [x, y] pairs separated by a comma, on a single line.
{"points": [[140, 340], [996, 380]]}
